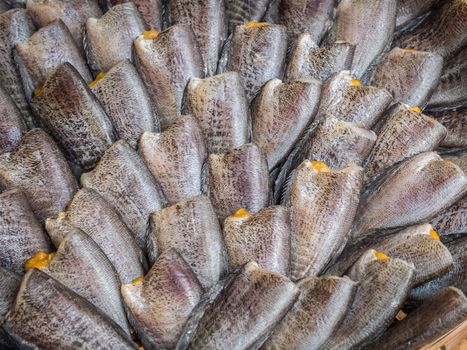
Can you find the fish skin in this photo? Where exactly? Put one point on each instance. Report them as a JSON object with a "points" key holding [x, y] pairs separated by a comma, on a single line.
{"points": [[453, 220], [219, 105], [268, 42], [315, 316], [109, 39], [458, 158], [12, 125], [191, 227], [166, 64], [38, 168], [322, 208], [414, 244], [44, 51], [4, 6], [292, 106], [456, 277], [160, 305], [9, 286], [362, 105], [73, 115], [150, 10], [82, 266], [238, 12], [455, 121], [123, 180], [306, 16], [90, 213], [263, 237], [47, 315], [413, 192], [176, 158], [15, 27], [73, 13], [411, 76], [308, 60], [21, 235], [382, 289], [238, 179], [403, 134], [408, 10], [338, 143], [433, 319], [245, 311], [367, 24], [207, 18], [444, 32], [452, 88], [126, 101]]}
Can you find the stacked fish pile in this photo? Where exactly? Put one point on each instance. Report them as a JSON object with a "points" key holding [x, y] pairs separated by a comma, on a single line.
{"points": [[163, 188]]}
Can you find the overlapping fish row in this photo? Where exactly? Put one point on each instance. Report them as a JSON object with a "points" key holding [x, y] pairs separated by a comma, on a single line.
{"points": [[285, 174]]}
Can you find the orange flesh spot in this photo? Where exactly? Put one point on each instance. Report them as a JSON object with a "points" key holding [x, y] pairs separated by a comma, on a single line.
{"points": [[98, 77], [434, 234], [381, 256], [150, 34], [256, 24], [37, 91], [356, 82], [241, 213], [401, 315], [137, 280], [410, 49], [39, 261], [415, 109], [319, 166]]}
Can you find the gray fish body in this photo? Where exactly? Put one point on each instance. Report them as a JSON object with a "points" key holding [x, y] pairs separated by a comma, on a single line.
{"points": [[455, 121], [73, 13], [444, 32], [166, 64], [263, 237], [245, 311], [306, 16], [219, 105], [453, 220], [82, 266], [458, 158], [15, 26], [239, 12], [238, 179], [44, 51], [207, 18], [160, 305], [4, 6], [9, 286], [176, 157], [403, 134], [452, 88], [12, 125], [90, 213], [383, 286], [308, 60], [109, 39], [281, 113], [126, 101], [413, 192], [345, 99], [47, 315], [73, 115], [123, 180], [191, 227], [322, 208], [38, 168], [268, 42], [315, 316], [432, 320], [415, 244], [21, 235], [367, 24], [408, 10], [150, 10], [411, 76]]}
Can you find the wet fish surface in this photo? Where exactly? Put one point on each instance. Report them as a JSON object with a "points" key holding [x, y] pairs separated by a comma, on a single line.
{"points": [[38, 168], [455, 121], [219, 105], [176, 158], [191, 227], [73, 115], [150, 10], [12, 125]]}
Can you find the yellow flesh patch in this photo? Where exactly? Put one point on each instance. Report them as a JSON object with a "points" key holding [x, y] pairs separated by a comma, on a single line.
{"points": [[37, 91], [401, 315], [381, 256], [356, 82], [434, 234], [257, 24], [241, 213], [39, 261], [410, 49], [150, 34], [98, 77], [415, 109], [137, 280], [319, 166]]}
